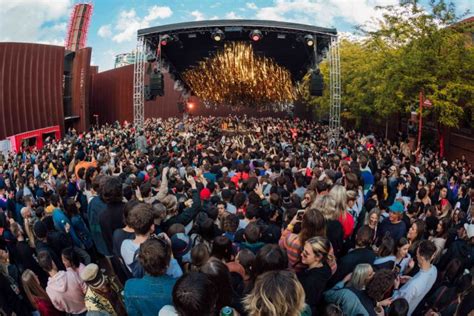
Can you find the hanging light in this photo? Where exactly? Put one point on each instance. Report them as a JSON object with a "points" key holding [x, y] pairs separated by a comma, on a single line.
{"points": [[309, 40], [256, 35], [217, 35], [165, 39]]}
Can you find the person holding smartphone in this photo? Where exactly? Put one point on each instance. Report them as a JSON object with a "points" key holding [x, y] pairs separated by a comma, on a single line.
{"points": [[312, 224]]}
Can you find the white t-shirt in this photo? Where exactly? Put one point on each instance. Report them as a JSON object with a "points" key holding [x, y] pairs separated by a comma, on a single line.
{"points": [[127, 251], [417, 287]]}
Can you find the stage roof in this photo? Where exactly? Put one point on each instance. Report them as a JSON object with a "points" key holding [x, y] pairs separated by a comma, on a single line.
{"points": [[281, 41]]}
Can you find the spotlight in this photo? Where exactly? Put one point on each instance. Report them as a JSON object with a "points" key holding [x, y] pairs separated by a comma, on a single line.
{"points": [[256, 35], [165, 39], [190, 105], [217, 35], [309, 40]]}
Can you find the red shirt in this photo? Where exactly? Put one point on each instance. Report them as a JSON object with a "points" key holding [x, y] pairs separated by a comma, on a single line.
{"points": [[46, 308], [347, 225]]}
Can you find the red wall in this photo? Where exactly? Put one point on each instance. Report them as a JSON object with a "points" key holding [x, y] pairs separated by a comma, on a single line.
{"points": [[30, 87]]}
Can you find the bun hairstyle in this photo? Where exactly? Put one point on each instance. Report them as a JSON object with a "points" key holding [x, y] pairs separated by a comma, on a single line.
{"points": [[321, 246]]}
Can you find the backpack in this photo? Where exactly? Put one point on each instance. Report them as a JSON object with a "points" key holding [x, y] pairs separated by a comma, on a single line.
{"points": [[136, 267]]}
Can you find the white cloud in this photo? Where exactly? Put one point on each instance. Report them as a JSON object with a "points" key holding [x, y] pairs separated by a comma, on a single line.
{"points": [[251, 6], [129, 22], [105, 31], [232, 15], [157, 12], [198, 15], [34, 20], [54, 41], [215, 17], [322, 12]]}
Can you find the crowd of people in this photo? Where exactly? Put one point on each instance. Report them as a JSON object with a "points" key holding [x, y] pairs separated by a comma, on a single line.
{"points": [[181, 218]]}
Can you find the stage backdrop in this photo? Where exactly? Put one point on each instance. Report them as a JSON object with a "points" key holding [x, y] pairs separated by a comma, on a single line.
{"points": [[112, 99]]}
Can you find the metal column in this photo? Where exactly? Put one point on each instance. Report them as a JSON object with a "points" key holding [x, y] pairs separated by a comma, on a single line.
{"points": [[139, 83], [335, 93]]}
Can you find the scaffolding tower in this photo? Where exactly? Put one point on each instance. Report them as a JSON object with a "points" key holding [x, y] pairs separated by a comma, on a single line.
{"points": [[335, 93], [139, 84]]}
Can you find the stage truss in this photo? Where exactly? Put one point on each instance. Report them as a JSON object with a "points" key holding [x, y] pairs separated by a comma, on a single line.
{"points": [[142, 50], [139, 83], [334, 93]]}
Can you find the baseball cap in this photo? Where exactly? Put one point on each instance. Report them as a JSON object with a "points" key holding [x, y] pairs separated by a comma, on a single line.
{"points": [[205, 194], [180, 244]]}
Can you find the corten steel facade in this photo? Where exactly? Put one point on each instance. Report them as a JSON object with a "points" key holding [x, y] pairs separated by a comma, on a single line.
{"points": [[111, 95], [81, 73], [30, 87]]}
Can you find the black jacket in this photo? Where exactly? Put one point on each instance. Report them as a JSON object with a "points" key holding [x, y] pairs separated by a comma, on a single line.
{"points": [[347, 263], [314, 283], [110, 220]]}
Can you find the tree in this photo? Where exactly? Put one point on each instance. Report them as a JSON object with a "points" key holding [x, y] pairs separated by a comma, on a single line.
{"points": [[432, 57], [406, 51]]}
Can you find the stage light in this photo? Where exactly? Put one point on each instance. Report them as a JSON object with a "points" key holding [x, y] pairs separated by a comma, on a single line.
{"points": [[190, 105], [309, 40], [217, 35], [256, 35], [165, 39]]}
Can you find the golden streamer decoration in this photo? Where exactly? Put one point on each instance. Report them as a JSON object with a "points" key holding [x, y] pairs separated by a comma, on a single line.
{"points": [[235, 76]]}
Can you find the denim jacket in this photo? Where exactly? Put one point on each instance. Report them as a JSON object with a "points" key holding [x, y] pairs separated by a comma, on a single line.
{"points": [[148, 295], [346, 299]]}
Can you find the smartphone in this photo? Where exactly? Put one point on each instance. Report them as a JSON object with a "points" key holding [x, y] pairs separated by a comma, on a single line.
{"points": [[299, 214]]}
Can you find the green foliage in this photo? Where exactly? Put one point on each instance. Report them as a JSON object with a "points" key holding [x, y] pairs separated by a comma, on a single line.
{"points": [[409, 51]]}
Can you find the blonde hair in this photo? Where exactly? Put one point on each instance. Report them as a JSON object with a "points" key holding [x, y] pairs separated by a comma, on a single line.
{"points": [[32, 288], [351, 195], [327, 205], [269, 296], [375, 211], [361, 276], [321, 246], [339, 194]]}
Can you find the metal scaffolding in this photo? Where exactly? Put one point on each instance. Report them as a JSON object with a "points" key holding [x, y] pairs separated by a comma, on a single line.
{"points": [[139, 83], [335, 93]]}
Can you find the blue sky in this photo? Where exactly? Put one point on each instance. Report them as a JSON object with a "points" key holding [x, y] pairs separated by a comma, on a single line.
{"points": [[114, 23]]}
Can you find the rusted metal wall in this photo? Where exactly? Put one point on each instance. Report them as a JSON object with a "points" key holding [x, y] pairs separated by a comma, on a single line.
{"points": [[30, 87], [112, 95], [80, 88]]}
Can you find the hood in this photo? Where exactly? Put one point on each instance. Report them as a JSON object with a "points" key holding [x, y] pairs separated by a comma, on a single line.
{"points": [[58, 282]]}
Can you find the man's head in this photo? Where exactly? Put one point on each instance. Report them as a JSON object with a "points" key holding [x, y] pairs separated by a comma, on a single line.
{"points": [[141, 219], [154, 256], [252, 233], [425, 251], [364, 236], [194, 293]]}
